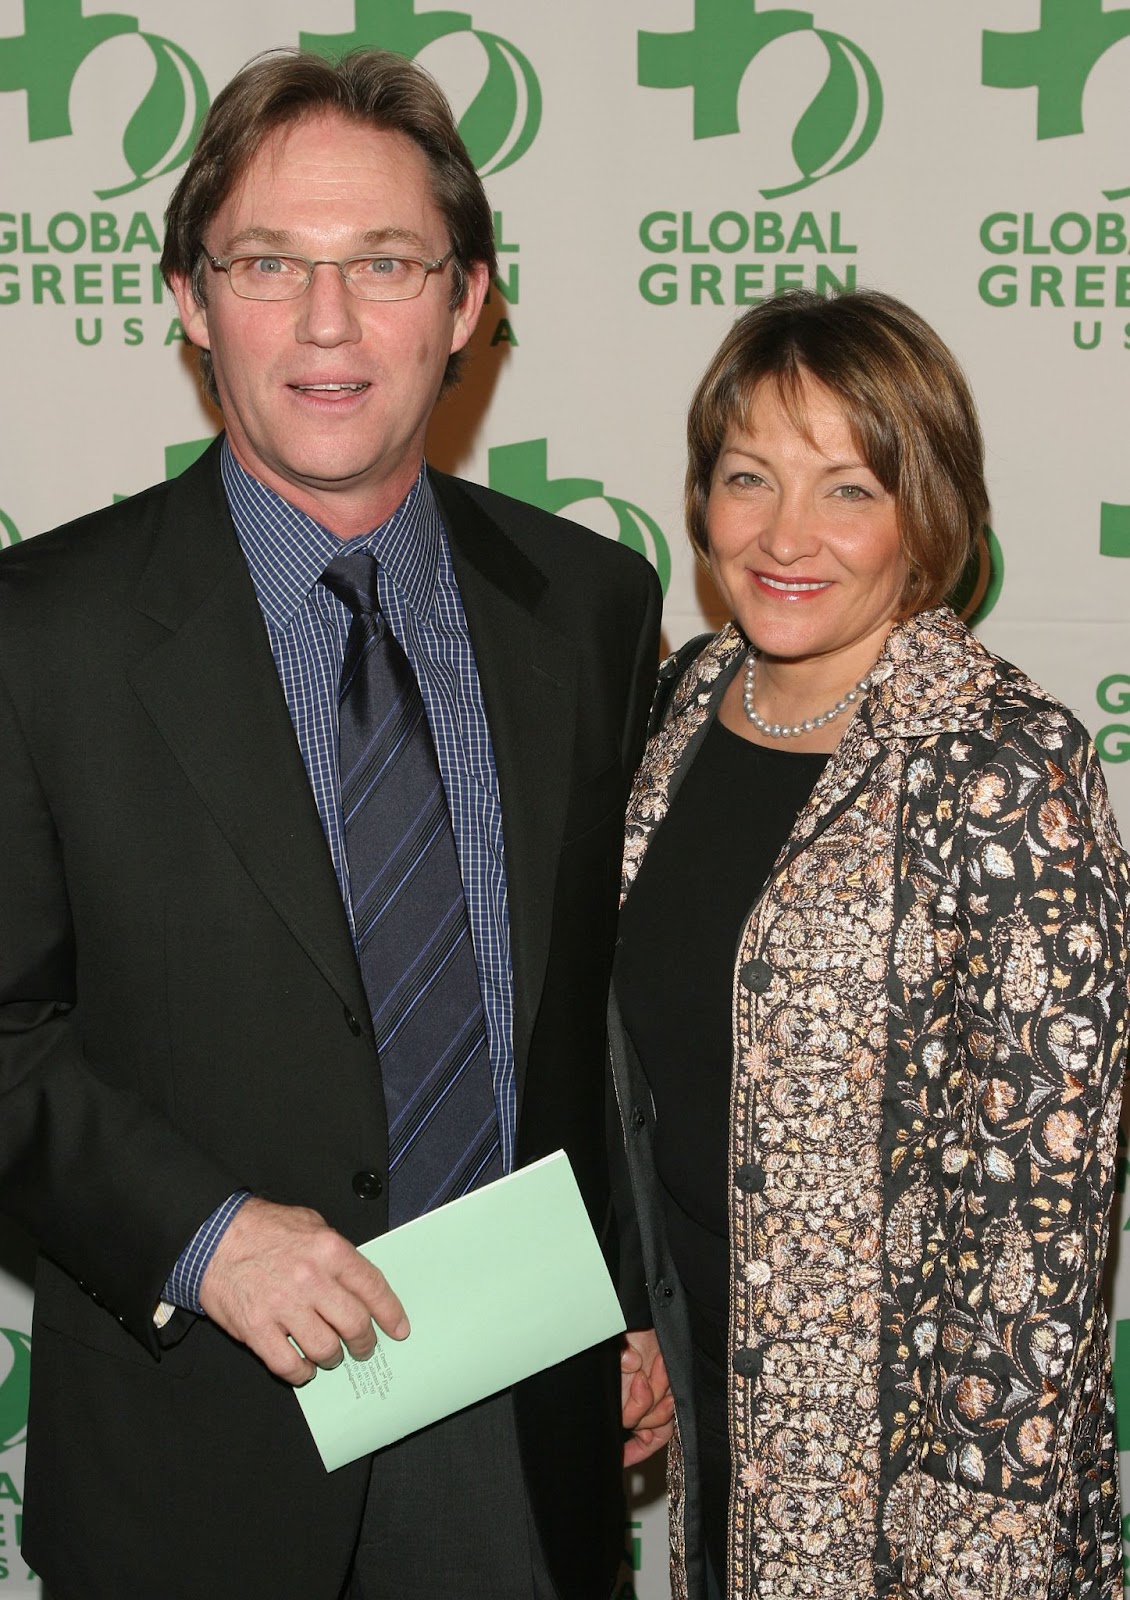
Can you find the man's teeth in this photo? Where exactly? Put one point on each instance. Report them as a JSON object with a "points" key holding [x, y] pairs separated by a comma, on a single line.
{"points": [[330, 388], [777, 583]]}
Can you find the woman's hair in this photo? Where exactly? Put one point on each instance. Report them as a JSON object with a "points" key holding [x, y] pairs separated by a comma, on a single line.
{"points": [[903, 395], [284, 87]]}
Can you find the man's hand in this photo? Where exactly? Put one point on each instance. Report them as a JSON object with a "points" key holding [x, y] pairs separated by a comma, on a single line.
{"points": [[281, 1270], [646, 1403]]}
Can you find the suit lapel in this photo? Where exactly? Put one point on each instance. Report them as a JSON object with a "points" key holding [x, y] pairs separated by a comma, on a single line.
{"points": [[528, 676], [212, 689]]}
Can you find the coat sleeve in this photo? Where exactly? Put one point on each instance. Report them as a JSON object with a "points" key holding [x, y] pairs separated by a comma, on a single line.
{"points": [[1017, 1479], [631, 1281], [101, 1180]]}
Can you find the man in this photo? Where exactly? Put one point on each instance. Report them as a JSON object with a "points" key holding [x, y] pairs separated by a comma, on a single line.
{"points": [[204, 1106]]}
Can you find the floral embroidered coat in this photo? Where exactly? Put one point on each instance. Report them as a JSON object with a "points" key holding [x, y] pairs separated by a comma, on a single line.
{"points": [[930, 1014]]}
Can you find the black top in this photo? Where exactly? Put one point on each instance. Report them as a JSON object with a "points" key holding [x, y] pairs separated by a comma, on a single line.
{"points": [[705, 867]]}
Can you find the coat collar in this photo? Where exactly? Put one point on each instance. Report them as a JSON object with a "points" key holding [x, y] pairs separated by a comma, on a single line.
{"points": [[212, 689], [528, 673], [931, 677]]}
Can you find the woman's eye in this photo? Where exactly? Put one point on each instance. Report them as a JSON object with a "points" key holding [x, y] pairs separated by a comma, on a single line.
{"points": [[852, 491]]}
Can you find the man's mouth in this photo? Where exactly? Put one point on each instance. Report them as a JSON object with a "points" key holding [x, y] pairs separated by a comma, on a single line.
{"points": [[329, 388]]}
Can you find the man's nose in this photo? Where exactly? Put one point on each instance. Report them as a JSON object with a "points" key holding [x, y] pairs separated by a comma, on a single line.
{"points": [[329, 312]]}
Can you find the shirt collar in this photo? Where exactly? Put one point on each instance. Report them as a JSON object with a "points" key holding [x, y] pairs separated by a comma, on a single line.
{"points": [[287, 551]]}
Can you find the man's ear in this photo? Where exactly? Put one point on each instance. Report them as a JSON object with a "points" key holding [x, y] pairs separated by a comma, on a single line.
{"points": [[193, 316], [467, 311]]}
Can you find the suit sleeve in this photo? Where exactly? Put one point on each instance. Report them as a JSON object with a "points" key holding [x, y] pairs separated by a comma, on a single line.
{"points": [[103, 1183], [632, 1282], [1019, 1433]]}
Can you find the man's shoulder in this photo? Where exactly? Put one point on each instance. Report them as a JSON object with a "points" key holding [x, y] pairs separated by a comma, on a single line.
{"points": [[557, 545], [94, 560], [84, 537], [104, 536]]}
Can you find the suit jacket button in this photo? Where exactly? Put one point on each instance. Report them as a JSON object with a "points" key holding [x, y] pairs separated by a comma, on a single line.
{"points": [[748, 1363], [757, 975], [639, 1121], [750, 1179], [367, 1185], [352, 1023]]}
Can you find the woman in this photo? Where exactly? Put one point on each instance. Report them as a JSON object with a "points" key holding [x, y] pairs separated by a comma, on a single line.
{"points": [[870, 1012]]}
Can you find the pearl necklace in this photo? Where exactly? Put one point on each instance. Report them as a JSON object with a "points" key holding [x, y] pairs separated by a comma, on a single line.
{"points": [[779, 730]]}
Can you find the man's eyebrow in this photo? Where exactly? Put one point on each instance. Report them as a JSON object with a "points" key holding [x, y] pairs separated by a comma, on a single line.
{"points": [[283, 239]]}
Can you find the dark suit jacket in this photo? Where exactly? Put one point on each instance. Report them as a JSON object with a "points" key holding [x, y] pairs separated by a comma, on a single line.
{"points": [[181, 1013]]}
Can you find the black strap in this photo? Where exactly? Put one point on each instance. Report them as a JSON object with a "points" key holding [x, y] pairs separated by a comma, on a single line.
{"points": [[670, 671]]}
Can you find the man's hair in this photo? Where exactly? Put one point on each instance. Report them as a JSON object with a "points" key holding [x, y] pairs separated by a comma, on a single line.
{"points": [[284, 87], [904, 398]]}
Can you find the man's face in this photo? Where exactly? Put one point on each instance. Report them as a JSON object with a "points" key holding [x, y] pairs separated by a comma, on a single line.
{"points": [[329, 188]]}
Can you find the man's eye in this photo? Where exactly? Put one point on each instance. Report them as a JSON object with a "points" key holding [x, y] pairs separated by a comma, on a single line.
{"points": [[274, 266], [383, 266]]}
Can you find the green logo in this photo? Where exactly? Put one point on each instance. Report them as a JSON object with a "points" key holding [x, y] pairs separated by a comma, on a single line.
{"points": [[44, 60], [1055, 59], [178, 457], [978, 589], [15, 1385], [1113, 745], [1114, 530], [9, 533], [522, 470], [712, 58], [501, 122]]}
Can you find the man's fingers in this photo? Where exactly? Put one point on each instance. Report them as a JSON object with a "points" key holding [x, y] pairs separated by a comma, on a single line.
{"points": [[369, 1284], [281, 1270]]}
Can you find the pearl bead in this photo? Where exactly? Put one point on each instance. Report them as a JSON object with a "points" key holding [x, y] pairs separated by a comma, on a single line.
{"points": [[781, 730]]}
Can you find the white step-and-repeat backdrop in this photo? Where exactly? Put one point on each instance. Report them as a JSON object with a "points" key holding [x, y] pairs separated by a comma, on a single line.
{"points": [[654, 166]]}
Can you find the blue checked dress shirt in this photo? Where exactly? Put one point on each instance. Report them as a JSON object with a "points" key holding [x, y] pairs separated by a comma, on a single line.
{"points": [[287, 552]]}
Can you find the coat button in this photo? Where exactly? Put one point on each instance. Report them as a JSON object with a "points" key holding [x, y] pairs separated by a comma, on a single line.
{"points": [[352, 1023], [367, 1185], [748, 1363], [665, 1290], [639, 1121], [750, 1179], [757, 975]]}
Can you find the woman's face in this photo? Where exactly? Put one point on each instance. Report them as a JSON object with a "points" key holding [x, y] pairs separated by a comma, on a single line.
{"points": [[804, 540]]}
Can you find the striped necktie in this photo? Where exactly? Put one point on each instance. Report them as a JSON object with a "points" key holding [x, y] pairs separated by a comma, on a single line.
{"points": [[412, 933]]}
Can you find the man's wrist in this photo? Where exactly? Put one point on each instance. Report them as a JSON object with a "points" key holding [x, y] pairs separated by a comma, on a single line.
{"points": [[182, 1287]]}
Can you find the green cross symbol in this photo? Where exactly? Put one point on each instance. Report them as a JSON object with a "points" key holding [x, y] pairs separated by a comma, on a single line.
{"points": [[392, 24], [712, 57], [44, 59], [1055, 59]]}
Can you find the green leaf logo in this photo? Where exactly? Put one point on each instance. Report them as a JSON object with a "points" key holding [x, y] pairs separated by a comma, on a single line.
{"points": [[500, 124], [641, 532], [522, 470], [15, 1386], [978, 589], [841, 123], [713, 57], [163, 129], [9, 533], [502, 120]]}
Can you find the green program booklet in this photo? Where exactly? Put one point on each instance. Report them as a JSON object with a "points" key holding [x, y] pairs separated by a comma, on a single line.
{"points": [[497, 1285]]}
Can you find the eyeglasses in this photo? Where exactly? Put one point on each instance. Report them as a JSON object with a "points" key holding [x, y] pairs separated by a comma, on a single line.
{"points": [[376, 277]]}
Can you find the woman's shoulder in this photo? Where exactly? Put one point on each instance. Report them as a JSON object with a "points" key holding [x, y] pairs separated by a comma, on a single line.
{"points": [[695, 666]]}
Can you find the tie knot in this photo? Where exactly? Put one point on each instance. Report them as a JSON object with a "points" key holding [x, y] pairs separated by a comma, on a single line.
{"points": [[353, 579]]}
